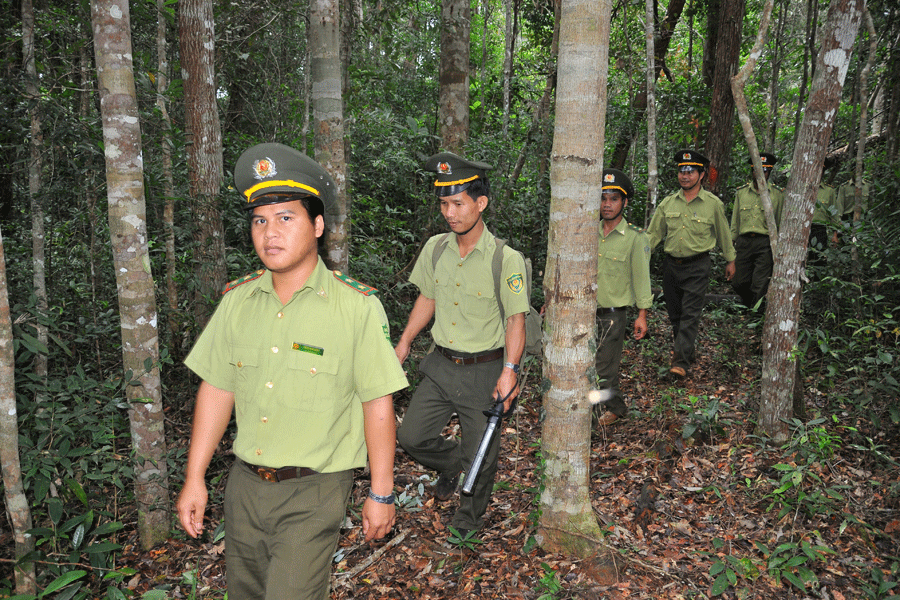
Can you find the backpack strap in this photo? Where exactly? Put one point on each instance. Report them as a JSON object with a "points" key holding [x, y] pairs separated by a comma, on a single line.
{"points": [[439, 249], [496, 269]]}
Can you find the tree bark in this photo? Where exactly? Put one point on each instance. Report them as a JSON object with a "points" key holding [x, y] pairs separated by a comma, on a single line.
{"points": [[14, 492], [131, 259], [783, 310], [196, 34], [453, 103], [35, 184], [328, 121], [650, 82], [719, 137], [568, 523]]}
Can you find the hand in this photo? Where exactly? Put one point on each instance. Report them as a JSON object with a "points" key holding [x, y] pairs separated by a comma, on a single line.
{"points": [[377, 519], [401, 350], [729, 271], [640, 328], [191, 506], [508, 381]]}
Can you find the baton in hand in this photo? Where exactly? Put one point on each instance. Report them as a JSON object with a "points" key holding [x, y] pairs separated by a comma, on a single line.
{"points": [[495, 415]]}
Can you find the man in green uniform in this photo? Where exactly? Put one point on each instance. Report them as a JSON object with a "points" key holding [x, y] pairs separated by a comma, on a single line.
{"points": [[753, 265], [691, 222], [826, 212], [302, 355], [465, 374], [623, 280], [846, 198]]}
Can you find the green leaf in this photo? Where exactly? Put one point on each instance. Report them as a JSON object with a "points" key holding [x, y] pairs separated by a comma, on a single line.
{"points": [[102, 547], [62, 581], [33, 344], [154, 595], [719, 585], [55, 508], [717, 568], [76, 489], [78, 536], [109, 527]]}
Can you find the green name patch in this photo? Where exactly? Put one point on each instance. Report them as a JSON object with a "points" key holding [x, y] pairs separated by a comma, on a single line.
{"points": [[307, 348]]}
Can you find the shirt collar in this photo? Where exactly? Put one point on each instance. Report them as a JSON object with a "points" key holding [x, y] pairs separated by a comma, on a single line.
{"points": [[317, 282], [481, 245]]}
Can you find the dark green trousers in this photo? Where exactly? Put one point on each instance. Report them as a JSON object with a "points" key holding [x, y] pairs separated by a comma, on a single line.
{"points": [[280, 536], [685, 282], [447, 388], [610, 340], [752, 268]]}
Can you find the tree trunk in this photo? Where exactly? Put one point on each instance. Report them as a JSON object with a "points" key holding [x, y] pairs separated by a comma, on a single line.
{"points": [[14, 492], [35, 184], [652, 169], [328, 121], [809, 50], [568, 523], [168, 178], [639, 103], [131, 259], [778, 42], [714, 10], [719, 137], [196, 34], [783, 309], [509, 42], [453, 104]]}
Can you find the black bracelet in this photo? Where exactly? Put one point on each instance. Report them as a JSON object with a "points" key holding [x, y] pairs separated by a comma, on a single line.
{"points": [[381, 499]]}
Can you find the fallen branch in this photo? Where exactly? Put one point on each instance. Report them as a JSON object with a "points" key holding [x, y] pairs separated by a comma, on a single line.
{"points": [[362, 566]]}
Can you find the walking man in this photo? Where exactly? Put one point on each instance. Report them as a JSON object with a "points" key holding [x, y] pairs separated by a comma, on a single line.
{"points": [[690, 222]]}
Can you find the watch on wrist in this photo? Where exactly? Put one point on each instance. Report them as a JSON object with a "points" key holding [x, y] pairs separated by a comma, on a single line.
{"points": [[513, 366], [381, 499]]}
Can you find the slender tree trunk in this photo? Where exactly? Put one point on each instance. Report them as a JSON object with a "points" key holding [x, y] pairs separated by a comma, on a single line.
{"points": [[328, 121], [650, 82], [453, 104], [714, 10], [568, 523], [196, 35], [131, 259], [719, 137], [508, 50], [783, 309], [35, 183], [14, 492], [168, 178], [776, 70], [809, 50]]}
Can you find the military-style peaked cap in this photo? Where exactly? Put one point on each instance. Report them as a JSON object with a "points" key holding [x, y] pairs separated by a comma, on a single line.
{"points": [[690, 158], [614, 179], [454, 173], [272, 173], [768, 160]]}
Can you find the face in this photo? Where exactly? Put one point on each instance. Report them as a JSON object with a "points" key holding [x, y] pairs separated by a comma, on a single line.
{"points": [[612, 204], [688, 180], [284, 236], [462, 212]]}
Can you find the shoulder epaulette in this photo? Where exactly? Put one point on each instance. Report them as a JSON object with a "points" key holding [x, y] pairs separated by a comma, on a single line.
{"points": [[636, 228], [242, 280], [745, 185], [365, 290]]}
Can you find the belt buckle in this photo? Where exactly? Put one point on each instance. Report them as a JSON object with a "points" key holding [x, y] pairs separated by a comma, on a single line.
{"points": [[267, 474], [458, 360]]}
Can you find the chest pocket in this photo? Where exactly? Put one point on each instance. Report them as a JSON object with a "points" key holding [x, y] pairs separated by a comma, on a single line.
{"points": [[316, 384], [610, 263], [480, 304], [245, 361], [700, 226]]}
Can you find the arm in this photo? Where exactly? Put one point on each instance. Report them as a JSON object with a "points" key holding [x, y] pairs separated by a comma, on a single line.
{"points": [[515, 346], [419, 317], [212, 412], [640, 324], [381, 441]]}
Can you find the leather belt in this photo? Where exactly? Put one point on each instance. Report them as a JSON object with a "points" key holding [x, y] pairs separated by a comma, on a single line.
{"points": [[611, 309], [683, 260], [754, 234], [281, 474], [470, 359]]}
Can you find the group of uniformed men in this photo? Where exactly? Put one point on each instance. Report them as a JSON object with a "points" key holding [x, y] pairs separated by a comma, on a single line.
{"points": [[303, 355]]}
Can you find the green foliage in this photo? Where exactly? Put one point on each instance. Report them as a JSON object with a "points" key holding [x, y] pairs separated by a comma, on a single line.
{"points": [[467, 541], [549, 585], [703, 419]]}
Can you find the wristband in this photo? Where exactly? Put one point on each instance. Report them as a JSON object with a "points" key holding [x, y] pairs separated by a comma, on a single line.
{"points": [[513, 366], [381, 499]]}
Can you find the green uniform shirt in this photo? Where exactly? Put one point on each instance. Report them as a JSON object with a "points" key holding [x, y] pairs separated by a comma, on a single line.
{"points": [[299, 371], [467, 317], [827, 209], [690, 228], [623, 267], [749, 216], [846, 197]]}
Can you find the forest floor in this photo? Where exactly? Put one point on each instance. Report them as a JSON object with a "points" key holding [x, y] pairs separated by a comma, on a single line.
{"points": [[716, 514]]}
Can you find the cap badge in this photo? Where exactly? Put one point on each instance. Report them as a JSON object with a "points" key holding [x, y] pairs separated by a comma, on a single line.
{"points": [[264, 167], [686, 156], [610, 178], [444, 168]]}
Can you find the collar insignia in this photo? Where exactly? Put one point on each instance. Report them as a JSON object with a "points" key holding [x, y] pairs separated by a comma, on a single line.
{"points": [[264, 167]]}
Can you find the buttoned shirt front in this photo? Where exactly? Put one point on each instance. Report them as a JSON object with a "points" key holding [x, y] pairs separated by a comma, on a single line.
{"points": [[467, 316], [749, 216], [299, 371], [623, 267], [826, 209], [690, 228]]}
